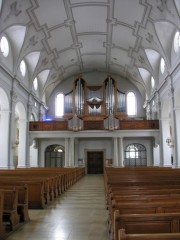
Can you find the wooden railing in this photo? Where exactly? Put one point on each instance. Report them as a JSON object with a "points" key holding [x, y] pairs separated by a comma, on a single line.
{"points": [[94, 125], [139, 124]]}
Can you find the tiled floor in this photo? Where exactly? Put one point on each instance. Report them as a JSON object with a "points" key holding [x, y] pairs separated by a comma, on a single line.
{"points": [[79, 214]]}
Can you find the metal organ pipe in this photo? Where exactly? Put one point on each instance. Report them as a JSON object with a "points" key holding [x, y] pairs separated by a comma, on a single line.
{"points": [[78, 95]]}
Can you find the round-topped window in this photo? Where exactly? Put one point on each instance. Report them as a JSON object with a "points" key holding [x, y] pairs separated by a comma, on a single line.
{"points": [[152, 82], [23, 68], [162, 65], [35, 84], [4, 46], [177, 42]]}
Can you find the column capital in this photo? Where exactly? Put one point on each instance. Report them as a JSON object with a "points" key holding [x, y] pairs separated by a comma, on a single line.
{"points": [[14, 96]]}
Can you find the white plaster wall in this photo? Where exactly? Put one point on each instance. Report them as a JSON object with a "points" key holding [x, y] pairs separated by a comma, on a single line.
{"points": [[156, 156], [33, 158], [95, 144], [82, 145]]}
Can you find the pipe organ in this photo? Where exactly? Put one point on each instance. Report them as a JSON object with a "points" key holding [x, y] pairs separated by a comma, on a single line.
{"points": [[104, 102], [110, 95], [79, 89]]}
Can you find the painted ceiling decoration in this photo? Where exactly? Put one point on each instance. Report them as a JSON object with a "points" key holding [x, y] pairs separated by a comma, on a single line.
{"points": [[59, 39]]}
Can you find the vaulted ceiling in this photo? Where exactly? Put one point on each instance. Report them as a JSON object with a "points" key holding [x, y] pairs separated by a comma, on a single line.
{"points": [[59, 39]]}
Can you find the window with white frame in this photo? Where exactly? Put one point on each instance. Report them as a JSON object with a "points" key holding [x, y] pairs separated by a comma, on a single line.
{"points": [[131, 104], [4, 46], [135, 155], [23, 68], [59, 105], [152, 82], [35, 84], [162, 65], [177, 42]]}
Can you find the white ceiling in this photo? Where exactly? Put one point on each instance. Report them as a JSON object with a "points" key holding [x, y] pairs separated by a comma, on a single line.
{"points": [[72, 37]]}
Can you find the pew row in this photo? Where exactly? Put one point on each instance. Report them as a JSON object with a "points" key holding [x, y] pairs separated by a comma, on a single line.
{"points": [[44, 185], [146, 223], [122, 235], [140, 191], [2, 227]]}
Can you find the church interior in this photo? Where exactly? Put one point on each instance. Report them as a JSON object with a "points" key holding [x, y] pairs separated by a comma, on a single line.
{"points": [[89, 109]]}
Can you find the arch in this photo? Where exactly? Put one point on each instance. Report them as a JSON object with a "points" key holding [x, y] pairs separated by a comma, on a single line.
{"points": [[175, 49], [135, 155], [4, 129], [20, 109], [33, 117], [154, 59], [20, 129], [146, 76], [162, 27], [4, 101], [54, 156]]}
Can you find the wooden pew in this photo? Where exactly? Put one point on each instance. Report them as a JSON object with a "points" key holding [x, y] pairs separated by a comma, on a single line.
{"points": [[22, 206], [10, 206], [141, 191], [2, 227], [146, 223], [43, 184], [64, 177], [145, 208], [36, 188], [122, 235]]}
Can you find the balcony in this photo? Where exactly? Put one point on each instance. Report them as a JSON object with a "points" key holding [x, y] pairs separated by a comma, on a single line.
{"points": [[94, 124]]}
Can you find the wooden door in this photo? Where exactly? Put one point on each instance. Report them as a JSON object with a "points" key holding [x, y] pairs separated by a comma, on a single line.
{"points": [[95, 162]]}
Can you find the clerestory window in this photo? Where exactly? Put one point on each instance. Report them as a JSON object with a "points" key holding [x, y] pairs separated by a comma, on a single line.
{"points": [[59, 110], [131, 104], [4, 46]]}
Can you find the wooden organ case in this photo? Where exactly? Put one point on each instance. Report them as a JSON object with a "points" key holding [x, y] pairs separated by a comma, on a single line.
{"points": [[94, 107]]}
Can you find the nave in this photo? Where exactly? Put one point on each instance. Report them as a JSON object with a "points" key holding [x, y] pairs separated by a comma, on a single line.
{"points": [[78, 214]]}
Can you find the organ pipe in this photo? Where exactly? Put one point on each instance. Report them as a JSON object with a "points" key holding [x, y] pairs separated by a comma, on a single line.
{"points": [[79, 96]]}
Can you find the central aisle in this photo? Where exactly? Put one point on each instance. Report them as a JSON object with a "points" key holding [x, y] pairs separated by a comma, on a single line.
{"points": [[79, 214]]}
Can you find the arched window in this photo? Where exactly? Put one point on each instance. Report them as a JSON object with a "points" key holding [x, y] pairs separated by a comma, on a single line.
{"points": [[135, 155], [131, 104], [152, 82], [35, 84], [23, 68], [59, 111], [177, 42], [4, 46], [162, 65], [54, 156]]}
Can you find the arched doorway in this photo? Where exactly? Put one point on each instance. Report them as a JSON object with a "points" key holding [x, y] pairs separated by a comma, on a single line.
{"points": [[54, 156], [4, 128], [135, 155]]}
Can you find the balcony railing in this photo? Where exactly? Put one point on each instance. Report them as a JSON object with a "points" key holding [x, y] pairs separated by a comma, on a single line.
{"points": [[93, 125]]}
